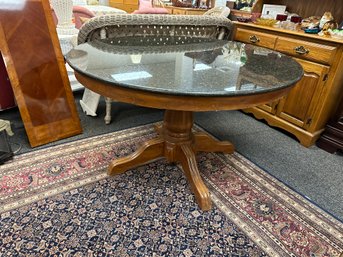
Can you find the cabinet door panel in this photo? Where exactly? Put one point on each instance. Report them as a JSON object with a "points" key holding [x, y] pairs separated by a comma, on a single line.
{"points": [[300, 104]]}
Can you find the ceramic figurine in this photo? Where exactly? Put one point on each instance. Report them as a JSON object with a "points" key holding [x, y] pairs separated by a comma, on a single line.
{"points": [[325, 18], [328, 25]]}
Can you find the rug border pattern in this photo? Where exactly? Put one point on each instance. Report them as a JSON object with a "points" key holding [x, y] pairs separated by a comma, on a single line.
{"points": [[291, 201]]}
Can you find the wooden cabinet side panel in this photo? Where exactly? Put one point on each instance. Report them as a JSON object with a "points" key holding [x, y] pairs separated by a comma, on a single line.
{"points": [[308, 106], [31, 51], [332, 92], [300, 104]]}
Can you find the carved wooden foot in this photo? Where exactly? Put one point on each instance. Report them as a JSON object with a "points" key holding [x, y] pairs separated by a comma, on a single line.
{"points": [[149, 151], [205, 143], [188, 161]]}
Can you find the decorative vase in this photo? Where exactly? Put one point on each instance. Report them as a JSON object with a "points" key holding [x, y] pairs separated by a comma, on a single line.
{"points": [[64, 12]]}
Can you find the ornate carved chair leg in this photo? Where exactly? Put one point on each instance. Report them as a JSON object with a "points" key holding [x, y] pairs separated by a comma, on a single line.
{"points": [[149, 151], [189, 164], [108, 110], [205, 143]]}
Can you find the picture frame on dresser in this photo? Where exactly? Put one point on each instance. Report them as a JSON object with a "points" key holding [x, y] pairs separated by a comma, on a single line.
{"points": [[272, 10], [246, 13]]}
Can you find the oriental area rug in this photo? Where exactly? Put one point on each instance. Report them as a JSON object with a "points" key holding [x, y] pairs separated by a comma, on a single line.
{"points": [[59, 201]]}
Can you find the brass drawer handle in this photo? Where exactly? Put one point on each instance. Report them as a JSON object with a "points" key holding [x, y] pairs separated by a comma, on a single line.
{"points": [[301, 50], [254, 39]]}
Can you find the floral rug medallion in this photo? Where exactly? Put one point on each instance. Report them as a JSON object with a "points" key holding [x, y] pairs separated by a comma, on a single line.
{"points": [[60, 201]]}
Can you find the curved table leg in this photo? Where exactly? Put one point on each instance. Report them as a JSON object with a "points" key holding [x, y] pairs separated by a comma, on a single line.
{"points": [[188, 161], [205, 143], [149, 151]]}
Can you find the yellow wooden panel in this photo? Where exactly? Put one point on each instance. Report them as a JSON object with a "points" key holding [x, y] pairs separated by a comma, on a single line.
{"points": [[179, 12], [131, 2], [126, 7], [113, 3], [195, 12]]}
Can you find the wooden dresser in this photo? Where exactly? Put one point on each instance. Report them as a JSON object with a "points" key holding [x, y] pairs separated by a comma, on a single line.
{"points": [[132, 5], [126, 5], [305, 111], [185, 11]]}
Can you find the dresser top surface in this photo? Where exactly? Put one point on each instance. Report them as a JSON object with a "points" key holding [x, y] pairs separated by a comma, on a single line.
{"points": [[289, 32]]}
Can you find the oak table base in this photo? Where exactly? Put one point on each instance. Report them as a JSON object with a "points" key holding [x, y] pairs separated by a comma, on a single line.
{"points": [[178, 144]]}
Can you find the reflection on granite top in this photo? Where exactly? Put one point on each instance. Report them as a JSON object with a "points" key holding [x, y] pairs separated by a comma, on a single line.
{"points": [[185, 65]]}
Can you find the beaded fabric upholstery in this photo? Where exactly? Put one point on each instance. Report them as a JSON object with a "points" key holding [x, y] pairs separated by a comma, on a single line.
{"points": [[121, 25]]}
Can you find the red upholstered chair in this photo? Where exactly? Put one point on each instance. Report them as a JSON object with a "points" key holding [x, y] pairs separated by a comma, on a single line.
{"points": [[150, 7], [78, 12]]}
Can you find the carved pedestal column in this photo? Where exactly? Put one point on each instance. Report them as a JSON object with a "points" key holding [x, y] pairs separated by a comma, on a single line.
{"points": [[178, 144]]}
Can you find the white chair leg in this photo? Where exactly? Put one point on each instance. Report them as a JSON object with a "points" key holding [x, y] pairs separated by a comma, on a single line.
{"points": [[108, 110]]}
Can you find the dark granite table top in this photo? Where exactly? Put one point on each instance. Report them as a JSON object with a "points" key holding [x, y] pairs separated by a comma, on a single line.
{"points": [[185, 65]]}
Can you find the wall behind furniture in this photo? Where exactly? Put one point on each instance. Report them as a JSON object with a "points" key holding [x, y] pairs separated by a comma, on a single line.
{"points": [[306, 8]]}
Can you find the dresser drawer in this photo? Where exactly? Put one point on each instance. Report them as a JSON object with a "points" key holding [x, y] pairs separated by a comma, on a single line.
{"points": [[195, 12], [129, 8], [256, 38], [179, 12], [306, 50]]}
